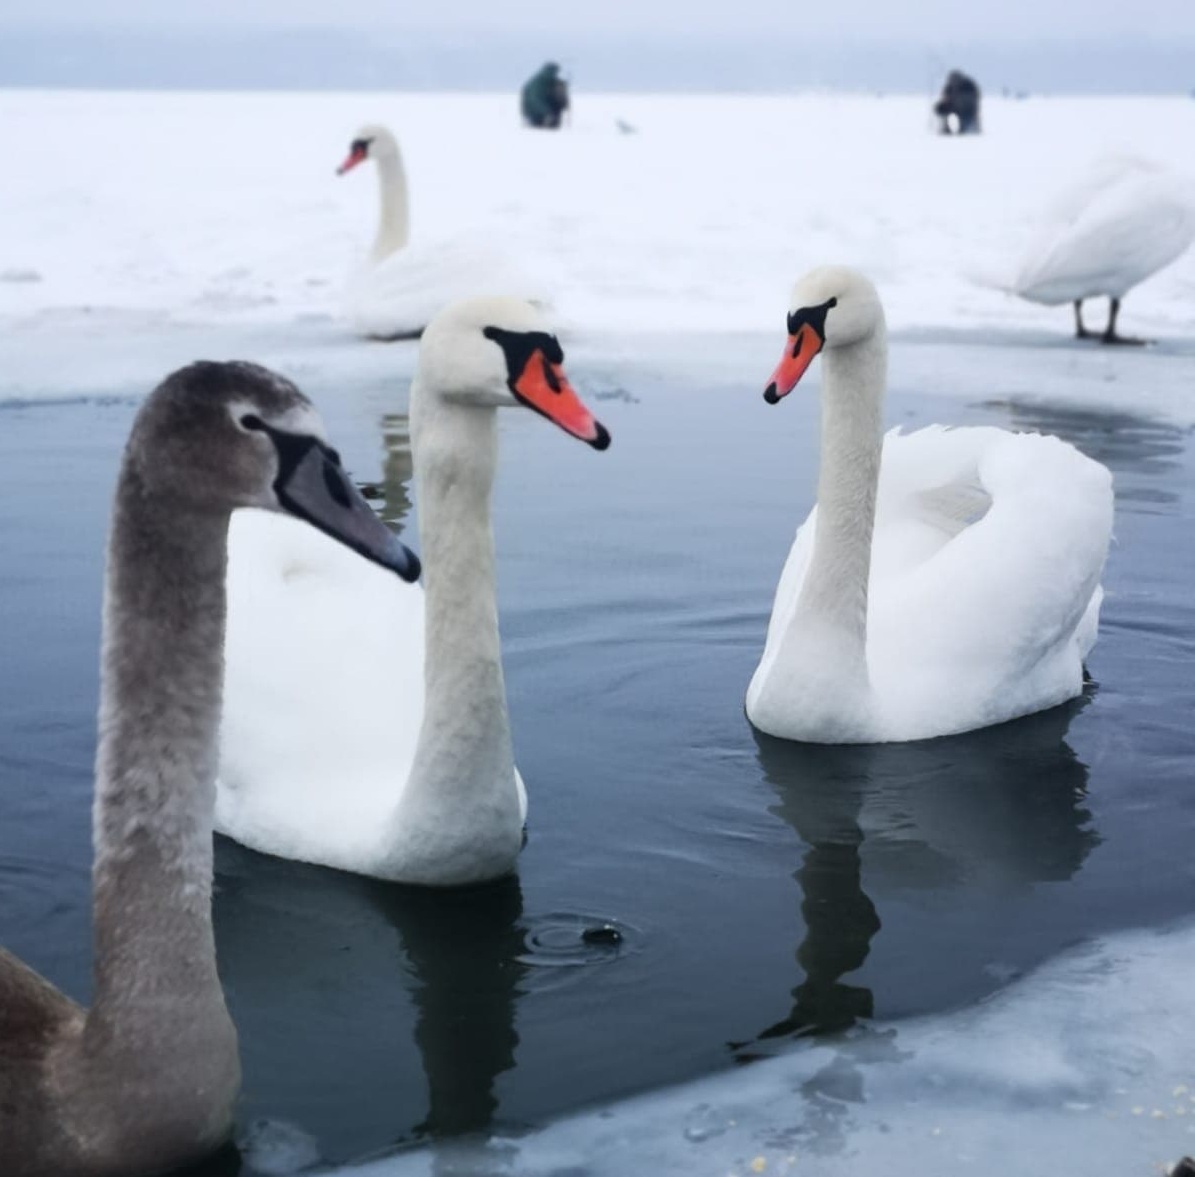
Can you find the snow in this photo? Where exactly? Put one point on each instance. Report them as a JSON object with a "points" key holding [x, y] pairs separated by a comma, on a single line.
{"points": [[1087, 1066], [156, 213]]}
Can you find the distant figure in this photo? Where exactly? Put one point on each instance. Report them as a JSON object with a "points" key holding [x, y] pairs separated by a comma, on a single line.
{"points": [[960, 99], [545, 98]]}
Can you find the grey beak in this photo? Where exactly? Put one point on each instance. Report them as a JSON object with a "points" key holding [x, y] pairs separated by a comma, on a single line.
{"points": [[312, 485]]}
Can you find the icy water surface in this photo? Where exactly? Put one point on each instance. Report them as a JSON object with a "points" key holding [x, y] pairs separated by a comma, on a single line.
{"points": [[761, 892]]}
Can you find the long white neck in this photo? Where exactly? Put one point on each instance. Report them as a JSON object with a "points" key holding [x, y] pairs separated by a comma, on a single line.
{"points": [[835, 588], [394, 228], [461, 799]]}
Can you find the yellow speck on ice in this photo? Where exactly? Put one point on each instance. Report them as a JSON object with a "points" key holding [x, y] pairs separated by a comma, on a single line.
{"points": [[1158, 1114], [1138, 1111], [759, 1165]]}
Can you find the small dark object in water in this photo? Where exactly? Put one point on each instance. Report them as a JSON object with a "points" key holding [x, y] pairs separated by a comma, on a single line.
{"points": [[959, 100], [606, 935], [1185, 1168]]}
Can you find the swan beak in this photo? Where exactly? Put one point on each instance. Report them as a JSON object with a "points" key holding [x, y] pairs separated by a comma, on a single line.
{"points": [[355, 156], [799, 352], [544, 387], [313, 486]]}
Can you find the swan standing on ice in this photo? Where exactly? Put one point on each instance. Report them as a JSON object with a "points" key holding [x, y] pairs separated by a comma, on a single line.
{"points": [[395, 294], [947, 579], [145, 1080], [334, 751], [1125, 220]]}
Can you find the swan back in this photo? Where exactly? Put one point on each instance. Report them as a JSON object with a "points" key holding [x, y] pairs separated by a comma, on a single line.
{"points": [[1123, 220]]}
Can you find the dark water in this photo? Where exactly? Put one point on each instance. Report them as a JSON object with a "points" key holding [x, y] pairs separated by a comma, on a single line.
{"points": [[763, 890]]}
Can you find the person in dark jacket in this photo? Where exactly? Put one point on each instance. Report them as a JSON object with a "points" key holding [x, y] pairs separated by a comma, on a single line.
{"points": [[960, 100], [544, 98]]}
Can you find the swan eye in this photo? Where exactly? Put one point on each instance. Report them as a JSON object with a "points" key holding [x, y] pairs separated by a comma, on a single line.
{"points": [[361, 145], [252, 421]]}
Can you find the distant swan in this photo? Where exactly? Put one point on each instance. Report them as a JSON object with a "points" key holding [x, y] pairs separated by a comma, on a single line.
{"points": [[334, 751], [395, 294], [1123, 221], [145, 1080], [947, 579]]}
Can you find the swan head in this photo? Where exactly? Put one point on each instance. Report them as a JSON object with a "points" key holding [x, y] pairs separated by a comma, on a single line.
{"points": [[372, 141], [831, 306], [498, 352], [215, 437]]}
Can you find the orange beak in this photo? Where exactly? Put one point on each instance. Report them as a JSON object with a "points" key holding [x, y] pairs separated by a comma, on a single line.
{"points": [[544, 387], [354, 157], [798, 355]]}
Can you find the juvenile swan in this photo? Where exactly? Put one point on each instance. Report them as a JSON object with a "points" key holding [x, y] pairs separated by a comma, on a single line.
{"points": [[144, 1080], [947, 579], [415, 780]]}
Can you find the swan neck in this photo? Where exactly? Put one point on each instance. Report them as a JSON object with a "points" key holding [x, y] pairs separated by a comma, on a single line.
{"points": [[835, 588], [464, 744], [162, 669], [394, 228]]}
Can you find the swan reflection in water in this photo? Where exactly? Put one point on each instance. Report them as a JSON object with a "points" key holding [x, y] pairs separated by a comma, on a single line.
{"points": [[1002, 806], [328, 971], [397, 469]]}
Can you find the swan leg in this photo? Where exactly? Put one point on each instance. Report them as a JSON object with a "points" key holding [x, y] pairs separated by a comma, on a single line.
{"points": [[1081, 332], [1110, 335]]}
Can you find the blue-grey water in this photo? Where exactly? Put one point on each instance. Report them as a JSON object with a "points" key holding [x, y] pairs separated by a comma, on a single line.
{"points": [[764, 891]]}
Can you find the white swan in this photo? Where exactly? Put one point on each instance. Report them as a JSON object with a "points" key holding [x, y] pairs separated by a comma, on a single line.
{"points": [[333, 751], [1124, 220], [947, 579], [398, 290]]}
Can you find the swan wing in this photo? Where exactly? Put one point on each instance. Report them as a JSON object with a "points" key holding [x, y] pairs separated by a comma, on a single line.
{"points": [[1107, 239], [986, 584], [323, 694], [33, 1015]]}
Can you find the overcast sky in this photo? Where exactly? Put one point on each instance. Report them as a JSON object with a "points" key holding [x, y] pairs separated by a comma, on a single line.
{"points": [[1035, 46], [862, 20]]}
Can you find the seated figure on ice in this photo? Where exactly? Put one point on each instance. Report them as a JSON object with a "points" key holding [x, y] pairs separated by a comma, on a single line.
{"points": [[544, 98], [959, 100]]}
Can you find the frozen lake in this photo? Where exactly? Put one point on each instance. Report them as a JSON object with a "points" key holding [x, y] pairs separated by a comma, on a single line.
{"points": [[766, 893]]}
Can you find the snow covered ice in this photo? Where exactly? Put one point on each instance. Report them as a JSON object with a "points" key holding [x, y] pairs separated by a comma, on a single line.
{"points": [[1088, 1066], [180, 209]]}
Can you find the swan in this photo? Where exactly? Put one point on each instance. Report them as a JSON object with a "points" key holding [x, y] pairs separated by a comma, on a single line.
{"points": [[1124, 220], [397, 291], [416, 782], [947, 579], [145, 1079]]}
